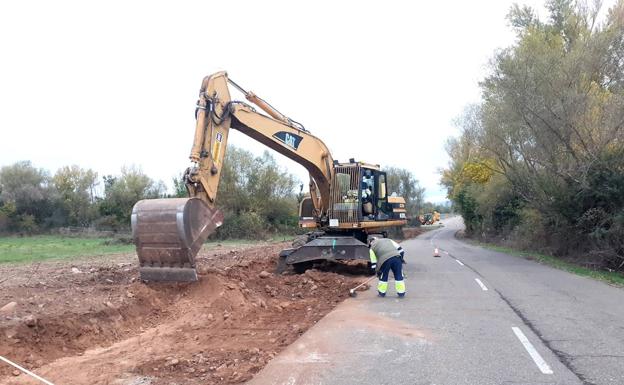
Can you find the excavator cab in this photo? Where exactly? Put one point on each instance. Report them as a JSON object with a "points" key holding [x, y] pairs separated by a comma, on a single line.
{"points": [[359, 199]]}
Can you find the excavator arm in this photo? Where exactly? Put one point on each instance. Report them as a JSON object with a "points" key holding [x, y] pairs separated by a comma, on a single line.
{"points": [[168, 233]]}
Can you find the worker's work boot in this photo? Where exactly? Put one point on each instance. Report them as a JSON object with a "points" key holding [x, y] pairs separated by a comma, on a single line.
{"points": [[382, 288]]}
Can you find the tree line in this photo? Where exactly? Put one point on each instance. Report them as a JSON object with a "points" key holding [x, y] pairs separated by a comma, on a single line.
{"points": [[258, 197], [540, 160]]}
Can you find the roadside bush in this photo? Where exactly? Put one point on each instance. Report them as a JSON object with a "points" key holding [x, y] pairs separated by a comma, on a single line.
{"points": [[255, 193], [27, 224], [26, 196], [540, 161], [245, 225]]}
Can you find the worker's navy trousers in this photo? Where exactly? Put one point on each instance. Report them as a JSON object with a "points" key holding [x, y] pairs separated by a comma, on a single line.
{"points": [[396, 266]]}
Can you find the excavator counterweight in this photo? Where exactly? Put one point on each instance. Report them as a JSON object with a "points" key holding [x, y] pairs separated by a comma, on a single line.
{"points": [[168, 234]]}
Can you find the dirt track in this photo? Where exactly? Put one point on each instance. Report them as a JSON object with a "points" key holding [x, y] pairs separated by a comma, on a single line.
{"points": [[99, 325]]}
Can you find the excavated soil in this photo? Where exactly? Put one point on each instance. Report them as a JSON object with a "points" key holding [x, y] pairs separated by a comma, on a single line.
{"points": [[92, 322]]}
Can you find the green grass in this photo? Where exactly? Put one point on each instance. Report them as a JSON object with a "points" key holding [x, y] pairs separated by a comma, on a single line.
{"points": [[282, 238], [43, 247], [613, 278]]}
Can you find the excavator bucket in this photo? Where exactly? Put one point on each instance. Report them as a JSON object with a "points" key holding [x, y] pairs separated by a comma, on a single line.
{"points": [[168, 234]]}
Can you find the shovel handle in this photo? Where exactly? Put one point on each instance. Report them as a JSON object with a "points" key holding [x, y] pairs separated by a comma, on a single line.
{"points": [[365, 282]]}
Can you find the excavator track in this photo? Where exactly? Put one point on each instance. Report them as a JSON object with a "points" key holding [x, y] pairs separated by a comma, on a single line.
{"points": [[168, 234]]}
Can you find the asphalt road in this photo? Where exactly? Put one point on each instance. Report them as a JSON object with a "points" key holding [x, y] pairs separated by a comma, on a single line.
{"points": [[472, 316]]}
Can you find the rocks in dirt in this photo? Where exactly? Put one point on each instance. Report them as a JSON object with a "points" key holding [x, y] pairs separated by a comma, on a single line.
{"points": [[8, 308], [30, 320], [312, 274], [254, 351], [256, 332], [141, 380], [10, 333], [270, 290], [16, 372], [204, 270], [75, 270]]}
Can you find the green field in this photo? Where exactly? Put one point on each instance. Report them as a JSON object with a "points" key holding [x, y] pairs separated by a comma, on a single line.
{"points": [[611, 277], [42, 247]]}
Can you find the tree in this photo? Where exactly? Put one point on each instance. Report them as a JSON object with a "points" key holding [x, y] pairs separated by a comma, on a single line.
{"points": [[257, 196], [179, 187], [75, 187], [403, 182], [123, 191], [545, 147], [25, 196]]}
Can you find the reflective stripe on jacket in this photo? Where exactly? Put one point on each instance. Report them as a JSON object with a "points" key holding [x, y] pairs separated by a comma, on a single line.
{"points": [[383, 249]]}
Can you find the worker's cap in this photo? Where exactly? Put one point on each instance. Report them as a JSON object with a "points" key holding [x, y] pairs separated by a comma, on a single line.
{"points": [[372, 240]]}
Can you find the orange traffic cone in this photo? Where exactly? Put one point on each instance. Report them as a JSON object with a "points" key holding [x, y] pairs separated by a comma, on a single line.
{"points": [[436, 252]]}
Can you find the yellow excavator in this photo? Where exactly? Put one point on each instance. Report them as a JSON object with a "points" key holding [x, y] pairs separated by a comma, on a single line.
{"points": [[429, 218], [346, 204]]}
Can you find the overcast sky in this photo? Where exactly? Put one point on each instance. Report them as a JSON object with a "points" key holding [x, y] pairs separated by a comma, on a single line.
{"points": [[111, 83]]}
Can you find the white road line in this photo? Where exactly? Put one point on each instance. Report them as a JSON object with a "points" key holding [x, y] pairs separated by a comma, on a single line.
{"points": [[539, 361], [26, 371], [460, 262], [481, 284]]}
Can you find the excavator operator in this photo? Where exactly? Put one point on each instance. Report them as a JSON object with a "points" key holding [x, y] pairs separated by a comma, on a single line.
{"points": [[367, 194]]}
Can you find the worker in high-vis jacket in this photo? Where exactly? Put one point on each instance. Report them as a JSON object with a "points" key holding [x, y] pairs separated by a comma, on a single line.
{"points": [[386, 255]]}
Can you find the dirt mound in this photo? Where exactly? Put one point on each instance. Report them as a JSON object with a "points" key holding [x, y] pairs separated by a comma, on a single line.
{"points": [[412, 232], [93, 323]]}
